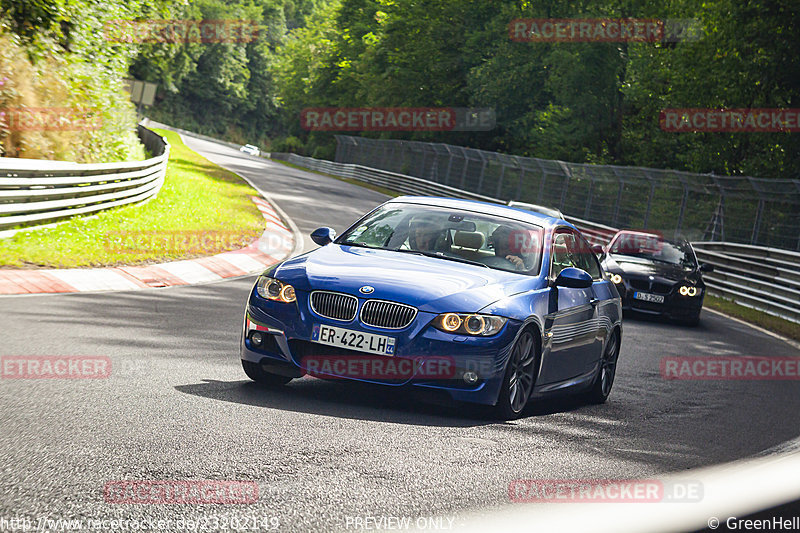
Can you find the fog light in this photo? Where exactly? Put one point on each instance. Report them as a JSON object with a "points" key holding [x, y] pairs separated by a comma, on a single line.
{"points": [[470, 377], [257, 338]]}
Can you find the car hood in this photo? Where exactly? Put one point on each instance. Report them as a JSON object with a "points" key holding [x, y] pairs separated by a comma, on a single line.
{"points": [[430, 284], [634, 267]]}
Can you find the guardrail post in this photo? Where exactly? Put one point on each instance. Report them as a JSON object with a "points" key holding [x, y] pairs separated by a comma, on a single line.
{"points": [[615, 219], [589, 199], [500, 181], [466, 164], [483, 171], [649, 200], [757, 222], [521, 178], [684, 199], [565, 185], [541, 183]]}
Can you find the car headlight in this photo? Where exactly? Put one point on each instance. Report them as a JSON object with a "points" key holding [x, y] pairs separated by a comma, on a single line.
{"points": [[687, 290], [468, 324], [616, 279], [273, 289]]}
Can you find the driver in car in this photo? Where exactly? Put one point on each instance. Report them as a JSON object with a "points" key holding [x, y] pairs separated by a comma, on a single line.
{"points": [[501, 240], [424, 235]]}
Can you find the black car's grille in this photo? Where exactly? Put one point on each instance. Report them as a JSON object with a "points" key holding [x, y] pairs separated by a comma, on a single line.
{"points": [[650, 286], [389, 315], [334, 305]]}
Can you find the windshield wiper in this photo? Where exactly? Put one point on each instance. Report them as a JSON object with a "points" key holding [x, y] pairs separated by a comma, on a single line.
{"points": [[440, 255], [362, 245]]}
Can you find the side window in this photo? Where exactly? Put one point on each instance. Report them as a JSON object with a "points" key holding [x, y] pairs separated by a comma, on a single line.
{"points": [[571, 250], [561, 257], [586, 258]]}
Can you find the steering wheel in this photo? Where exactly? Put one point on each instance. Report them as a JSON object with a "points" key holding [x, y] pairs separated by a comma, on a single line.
{"points": [[496, 261]]}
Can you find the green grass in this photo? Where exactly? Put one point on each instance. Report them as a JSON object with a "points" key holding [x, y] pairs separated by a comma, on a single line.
{"points": [[752, 316], [202, 209]]}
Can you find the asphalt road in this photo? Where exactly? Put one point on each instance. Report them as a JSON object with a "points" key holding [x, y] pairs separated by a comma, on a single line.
{"points": [[177, 406]]}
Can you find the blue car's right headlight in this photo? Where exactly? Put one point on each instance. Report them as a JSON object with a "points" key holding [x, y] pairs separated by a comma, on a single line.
{"points": [[276, 290], [469, 324]]}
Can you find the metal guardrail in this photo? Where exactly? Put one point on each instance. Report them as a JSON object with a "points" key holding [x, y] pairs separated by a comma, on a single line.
{"points": [[154, 124], [34, 191], [767, 279], [698, 206]]}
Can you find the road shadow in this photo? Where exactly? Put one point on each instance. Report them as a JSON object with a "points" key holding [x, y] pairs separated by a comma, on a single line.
{"points": [[364, 401], [352, 400]]}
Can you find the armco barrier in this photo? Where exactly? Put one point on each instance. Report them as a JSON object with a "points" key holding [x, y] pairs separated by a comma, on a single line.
{"points": [[154, 124], [767, 279], [35, 191]]}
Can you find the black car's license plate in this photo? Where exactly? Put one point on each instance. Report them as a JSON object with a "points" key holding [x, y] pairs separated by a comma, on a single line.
{"points": [[647, 297]]}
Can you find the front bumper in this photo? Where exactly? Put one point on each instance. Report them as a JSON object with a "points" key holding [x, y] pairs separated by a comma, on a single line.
{"points": [[424, 356], [675, 306]]}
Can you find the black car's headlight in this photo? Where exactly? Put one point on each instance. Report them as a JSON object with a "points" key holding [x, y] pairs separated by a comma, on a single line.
{"points": [[688, 290], [616, 279], [273, 289], [469, 324]]}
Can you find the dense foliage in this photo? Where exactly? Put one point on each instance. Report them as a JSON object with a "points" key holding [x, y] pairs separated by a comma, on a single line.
{"points": [[585, 101], [56, 63], [595, 102]]}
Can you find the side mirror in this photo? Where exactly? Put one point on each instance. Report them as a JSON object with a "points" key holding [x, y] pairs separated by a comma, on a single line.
{"points": [[706, 267], [323, 236], [574, 278], [598, 250]]}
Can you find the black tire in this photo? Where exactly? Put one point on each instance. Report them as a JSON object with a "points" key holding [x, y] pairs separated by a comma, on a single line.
{"points": [[604, 381], [519, 378], [255, 372]]}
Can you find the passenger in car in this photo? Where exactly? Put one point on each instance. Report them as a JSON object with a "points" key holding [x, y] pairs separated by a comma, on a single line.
{"points": [[501, 240]]}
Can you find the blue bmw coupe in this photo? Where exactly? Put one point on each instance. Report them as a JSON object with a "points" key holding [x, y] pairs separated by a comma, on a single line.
{"points": [[492, 304]]}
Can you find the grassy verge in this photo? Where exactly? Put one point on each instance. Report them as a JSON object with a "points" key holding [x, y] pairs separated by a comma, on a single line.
{"points": [[752, 316], [202, 209]]}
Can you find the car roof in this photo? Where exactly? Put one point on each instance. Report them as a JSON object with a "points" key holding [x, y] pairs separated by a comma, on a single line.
{"points": [[658, 235], [552, 211], [485, 207]]}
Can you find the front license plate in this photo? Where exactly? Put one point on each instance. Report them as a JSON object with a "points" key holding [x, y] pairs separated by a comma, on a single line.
{"points": [[353, 340], [647, 297]]}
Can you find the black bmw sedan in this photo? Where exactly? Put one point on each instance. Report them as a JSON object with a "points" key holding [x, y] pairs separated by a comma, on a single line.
{"points": [[656, 276]]}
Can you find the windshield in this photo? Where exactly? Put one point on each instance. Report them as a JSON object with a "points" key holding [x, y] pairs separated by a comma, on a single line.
{"points": [[654, 248], [451, 234]]}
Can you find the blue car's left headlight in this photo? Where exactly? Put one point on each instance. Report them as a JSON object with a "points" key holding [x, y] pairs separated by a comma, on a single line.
{"points": [[469, 324], [273, 289]]}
